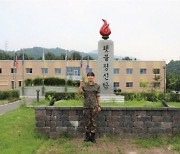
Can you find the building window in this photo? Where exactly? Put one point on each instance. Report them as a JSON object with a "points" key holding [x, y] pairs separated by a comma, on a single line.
{"points": [[19, 83], [129, 71], [28, 70], [13, 70], [156, 71], [74, 71], [129, 84], [156, 84], [58, 70], [12, 84], [0, 70], [116, 70], [44, 70], [143, 71], [116, 84]]}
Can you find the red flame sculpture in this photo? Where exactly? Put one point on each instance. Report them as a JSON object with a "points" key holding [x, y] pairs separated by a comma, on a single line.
{"points": [[105, 31]]}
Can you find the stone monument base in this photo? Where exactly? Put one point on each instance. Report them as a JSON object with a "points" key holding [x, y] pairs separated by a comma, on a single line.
{"points": [[109, 98]]}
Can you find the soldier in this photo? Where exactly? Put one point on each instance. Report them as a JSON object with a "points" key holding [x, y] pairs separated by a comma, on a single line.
{"points": [[91, 92]]}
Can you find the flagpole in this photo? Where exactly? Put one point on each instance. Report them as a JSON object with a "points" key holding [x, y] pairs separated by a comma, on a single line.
{"points": [[14, 72], [87, 67], [23, 73], [43, 73], [82, 66], [66, 72]]}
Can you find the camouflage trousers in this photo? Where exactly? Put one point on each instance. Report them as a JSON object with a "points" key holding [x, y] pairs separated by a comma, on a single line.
{"points": [[90, 119]]}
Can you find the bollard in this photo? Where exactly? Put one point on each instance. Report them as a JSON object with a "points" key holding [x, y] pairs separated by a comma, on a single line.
{"points": [[37, 94]]}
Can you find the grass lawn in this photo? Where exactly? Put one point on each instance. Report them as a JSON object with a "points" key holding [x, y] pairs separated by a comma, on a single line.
{"points": [[3, 101], [17, 132], [18, 135], [6, 101], [125, 104]]}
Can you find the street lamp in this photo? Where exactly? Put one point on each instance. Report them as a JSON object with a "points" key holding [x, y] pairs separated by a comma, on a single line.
{"points": [[164, 67]]}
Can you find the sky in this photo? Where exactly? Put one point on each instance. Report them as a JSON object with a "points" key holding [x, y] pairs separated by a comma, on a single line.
{"points": [[144, 29]]}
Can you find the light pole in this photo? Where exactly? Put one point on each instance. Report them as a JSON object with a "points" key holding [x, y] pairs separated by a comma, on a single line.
{"points": [[164, 67], [23, 72], [66, 71]]}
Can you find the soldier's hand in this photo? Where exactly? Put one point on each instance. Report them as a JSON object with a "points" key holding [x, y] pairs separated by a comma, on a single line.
{"points": [[99, 108], [81, 82]]}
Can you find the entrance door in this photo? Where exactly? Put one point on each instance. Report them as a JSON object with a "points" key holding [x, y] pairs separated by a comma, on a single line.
{"points": [[12, 85], [75, 72]]}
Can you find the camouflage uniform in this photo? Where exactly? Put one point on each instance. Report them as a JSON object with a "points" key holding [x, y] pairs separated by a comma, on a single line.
{"points": [[90, 108]]}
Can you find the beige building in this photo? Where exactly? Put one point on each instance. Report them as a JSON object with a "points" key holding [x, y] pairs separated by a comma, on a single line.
{"points": [[129, 76]]}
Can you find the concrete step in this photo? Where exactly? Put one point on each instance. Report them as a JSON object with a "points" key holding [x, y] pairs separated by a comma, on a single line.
{"points": [[112, 98]]}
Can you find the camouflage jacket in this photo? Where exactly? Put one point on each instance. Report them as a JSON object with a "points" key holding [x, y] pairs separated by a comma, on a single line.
{"points": [[91, 92]]}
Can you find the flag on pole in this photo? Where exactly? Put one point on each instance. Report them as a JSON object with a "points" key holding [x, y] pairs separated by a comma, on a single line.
{"points": [[16, 62], [87, 66], [81, 61]]}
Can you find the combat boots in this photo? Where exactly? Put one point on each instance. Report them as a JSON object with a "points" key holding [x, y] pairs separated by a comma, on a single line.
{"points": [[87, 138], [92, 139]]}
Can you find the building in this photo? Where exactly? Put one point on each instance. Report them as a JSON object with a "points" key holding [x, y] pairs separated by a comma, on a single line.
{"points": [[129, 76]]}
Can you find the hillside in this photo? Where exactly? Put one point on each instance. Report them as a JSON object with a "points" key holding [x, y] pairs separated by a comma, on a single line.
{"points": [[173, 67], [36, 53]]}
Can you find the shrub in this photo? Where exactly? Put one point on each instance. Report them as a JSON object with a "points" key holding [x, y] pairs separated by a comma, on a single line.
{"points": [[60, 96], [174, 97], [52, 81], [15, 93], [9, 94], [28, 82], [38, 81], [70, 83], [78, 96], [153, 96]]}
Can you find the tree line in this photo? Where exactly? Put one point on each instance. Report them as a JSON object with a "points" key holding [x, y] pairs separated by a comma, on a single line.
{"points": [[48, 56]]}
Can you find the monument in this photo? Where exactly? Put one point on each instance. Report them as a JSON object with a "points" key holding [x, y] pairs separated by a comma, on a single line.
{"points": [[105, 61], [106, 66]]}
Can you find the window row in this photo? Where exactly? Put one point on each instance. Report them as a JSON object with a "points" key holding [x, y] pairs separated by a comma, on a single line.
{"points": [[141, 71], [70, 70], [116, 84], [76, 70], [141, 84]]}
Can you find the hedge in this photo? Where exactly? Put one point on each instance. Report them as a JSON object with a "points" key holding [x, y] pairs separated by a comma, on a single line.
{"points": [[28, 82], [50, 81], [153, 96], [9, 94], [38, 81]]}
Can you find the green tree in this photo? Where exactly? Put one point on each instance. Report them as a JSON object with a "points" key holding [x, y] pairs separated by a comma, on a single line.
{"points": [[25, 56], [76, 56], [173, 81], [62, 56], [173, 67], [86, 57], [50, 56]]}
